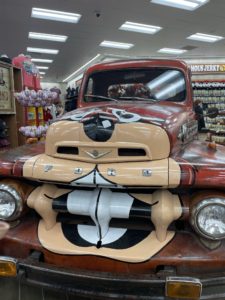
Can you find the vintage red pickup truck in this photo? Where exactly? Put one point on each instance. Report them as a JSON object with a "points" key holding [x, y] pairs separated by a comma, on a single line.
{"points": [[122, 201]]}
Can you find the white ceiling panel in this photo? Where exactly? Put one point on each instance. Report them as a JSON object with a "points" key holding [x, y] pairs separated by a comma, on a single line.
{"points": [[100, 21]]}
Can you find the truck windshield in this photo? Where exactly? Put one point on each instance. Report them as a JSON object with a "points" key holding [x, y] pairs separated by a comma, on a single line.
{"points": [[152, 84]]}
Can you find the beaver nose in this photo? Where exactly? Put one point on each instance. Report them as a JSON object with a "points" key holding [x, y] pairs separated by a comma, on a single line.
{"points": [[99, 129]]}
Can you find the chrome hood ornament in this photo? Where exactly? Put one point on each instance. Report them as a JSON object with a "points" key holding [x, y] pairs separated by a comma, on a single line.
{"points": [[96, 154]]}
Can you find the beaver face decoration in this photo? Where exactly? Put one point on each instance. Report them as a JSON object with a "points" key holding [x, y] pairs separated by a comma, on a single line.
{"points": [[105, 222], [95, 214]]}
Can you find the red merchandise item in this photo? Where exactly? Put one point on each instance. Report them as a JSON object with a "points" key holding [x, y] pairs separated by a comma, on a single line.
{"points": [[31, 78], [47, 114], [37, 82]]}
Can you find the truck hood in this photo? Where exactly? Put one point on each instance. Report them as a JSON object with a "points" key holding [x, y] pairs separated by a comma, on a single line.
{"points": [[128, 131], [162, 113]]}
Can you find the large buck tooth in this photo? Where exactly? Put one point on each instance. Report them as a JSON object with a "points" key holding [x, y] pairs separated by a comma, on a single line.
{"points": [[167, 209], [43, 205]]}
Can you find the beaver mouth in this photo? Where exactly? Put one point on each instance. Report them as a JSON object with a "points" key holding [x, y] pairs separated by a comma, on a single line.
{"points": [[101, 221]]}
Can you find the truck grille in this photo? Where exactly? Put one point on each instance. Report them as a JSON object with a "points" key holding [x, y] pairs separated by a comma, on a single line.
{"points": [[131, 152], [68, 150]]}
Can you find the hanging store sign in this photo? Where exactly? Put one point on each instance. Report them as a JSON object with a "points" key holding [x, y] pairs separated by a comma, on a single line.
{"points": [[207, 68], [6, 103]]}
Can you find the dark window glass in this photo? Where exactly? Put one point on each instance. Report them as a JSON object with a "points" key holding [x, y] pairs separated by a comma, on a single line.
{"points": [[153, 84]]}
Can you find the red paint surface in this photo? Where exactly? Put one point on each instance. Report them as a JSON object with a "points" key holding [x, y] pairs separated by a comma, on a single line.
{"points": [[11, 162]]}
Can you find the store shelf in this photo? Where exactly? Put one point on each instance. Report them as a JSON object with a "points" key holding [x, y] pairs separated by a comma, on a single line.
{"points": [[8, 112], [12, 133], [212, 94]]}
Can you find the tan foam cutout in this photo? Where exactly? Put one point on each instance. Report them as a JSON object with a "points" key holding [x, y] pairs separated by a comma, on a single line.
{"points": [[54, 241], [40, 200], [164, 212]]}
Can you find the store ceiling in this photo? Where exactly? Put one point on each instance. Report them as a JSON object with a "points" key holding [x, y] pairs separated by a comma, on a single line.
{"points": [[84, 38]]}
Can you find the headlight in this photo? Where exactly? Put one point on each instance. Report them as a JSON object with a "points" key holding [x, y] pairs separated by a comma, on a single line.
{"points": [[208, 218], [11, 203]]}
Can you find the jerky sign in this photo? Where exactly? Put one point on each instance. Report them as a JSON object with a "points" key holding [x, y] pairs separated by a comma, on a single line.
{"points": [[207, 68], [5, 89]]}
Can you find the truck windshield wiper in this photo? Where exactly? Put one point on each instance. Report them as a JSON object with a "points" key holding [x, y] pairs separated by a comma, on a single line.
{"points": [[138, 98], [101, 97]]}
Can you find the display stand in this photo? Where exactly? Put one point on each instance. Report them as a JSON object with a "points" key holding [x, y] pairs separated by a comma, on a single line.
{"points": [[10, 82], [209, 92], [29, 114]]}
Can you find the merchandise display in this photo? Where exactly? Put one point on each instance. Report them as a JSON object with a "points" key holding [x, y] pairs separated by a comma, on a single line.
{"points": [[212, 94], [34, 131], [36, 114], [10, 81], [36, 102], [30, 73], [37, 98], [4, 143], [71, 98]]}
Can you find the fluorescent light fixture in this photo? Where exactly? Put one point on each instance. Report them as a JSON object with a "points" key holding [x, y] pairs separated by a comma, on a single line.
{"points": [[142, 28], [81, 68], [42, 50], [205, 37], [171, 51], [55, 15], [42, 60], [182, 4], [47, 37], [42, 67], [118, 45], [42, 73]]}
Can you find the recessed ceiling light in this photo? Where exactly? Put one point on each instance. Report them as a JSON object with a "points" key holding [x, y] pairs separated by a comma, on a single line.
{"points": [[81, 68], [137, 27], [118, 45], [48, 61], [42, 73], [42, 67], [172, 51], [55, 15], [47, 37], [182, 4], [42, 50], [205, 37]]}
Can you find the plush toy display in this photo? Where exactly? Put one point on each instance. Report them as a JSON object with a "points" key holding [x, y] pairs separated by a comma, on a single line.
{"points": [[34, 131], [36, 99]]}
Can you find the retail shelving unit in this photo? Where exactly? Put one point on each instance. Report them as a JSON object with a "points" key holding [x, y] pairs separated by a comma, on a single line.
{"points": [[10, 82], [211, 93]]}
